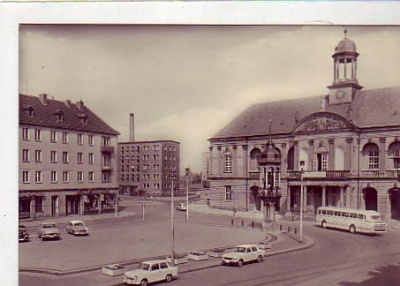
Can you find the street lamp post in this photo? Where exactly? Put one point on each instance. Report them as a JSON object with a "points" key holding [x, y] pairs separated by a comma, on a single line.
{"points": [[172, 222], [301, 198], [187, 173]]}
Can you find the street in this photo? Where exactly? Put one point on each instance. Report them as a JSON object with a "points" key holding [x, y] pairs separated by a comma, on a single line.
{"points": [[337, 258]]}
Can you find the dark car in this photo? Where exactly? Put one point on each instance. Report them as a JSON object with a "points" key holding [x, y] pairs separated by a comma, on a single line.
{"points": [[23, 235]]}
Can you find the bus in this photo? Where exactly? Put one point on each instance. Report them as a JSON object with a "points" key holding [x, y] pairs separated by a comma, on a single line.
{"points": [[363, 221]]}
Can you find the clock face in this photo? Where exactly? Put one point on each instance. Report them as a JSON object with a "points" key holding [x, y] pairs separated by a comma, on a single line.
{"points": [[339, 94]]}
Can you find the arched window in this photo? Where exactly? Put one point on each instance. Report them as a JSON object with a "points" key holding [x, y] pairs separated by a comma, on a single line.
{"points": [[371, 154], [394, 154], [290, 159], [254, 155]]}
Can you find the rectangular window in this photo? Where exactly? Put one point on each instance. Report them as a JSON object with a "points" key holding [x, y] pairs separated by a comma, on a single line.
{"points": [[105, 141], [373, 159], [322, 160], [80, 158], [65, 138], [53, 177], [38, 155], [53, 156], [80, 177], [25, 177], [91, 158], [228, 164], [80, 139], [91, 177], [65, 176], [90, 140], [228, 193], [38, 135], [53, 136], [25, 134], [38, 176], [106, 177], [65, 157], [25, 155]]}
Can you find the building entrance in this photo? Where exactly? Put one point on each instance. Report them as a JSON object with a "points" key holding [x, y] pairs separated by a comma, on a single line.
{"points": [[394, 197], [72, 204], [371, 199]]}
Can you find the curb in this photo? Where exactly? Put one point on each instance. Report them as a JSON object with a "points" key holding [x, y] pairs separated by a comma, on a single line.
{"points": [[310, 242]]}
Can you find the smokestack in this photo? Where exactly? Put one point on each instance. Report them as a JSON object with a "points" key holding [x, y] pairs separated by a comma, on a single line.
{"points": [[131, 127]]}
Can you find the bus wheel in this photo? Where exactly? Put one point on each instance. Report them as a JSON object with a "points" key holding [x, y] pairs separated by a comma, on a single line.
{"points": [[352, 229], [324, 224]]}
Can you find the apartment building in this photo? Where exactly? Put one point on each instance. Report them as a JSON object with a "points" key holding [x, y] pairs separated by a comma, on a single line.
{"points": [[348, 141], [67, 159]]}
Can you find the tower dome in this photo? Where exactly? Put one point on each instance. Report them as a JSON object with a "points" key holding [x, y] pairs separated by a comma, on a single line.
{"points": [[346, 46]]}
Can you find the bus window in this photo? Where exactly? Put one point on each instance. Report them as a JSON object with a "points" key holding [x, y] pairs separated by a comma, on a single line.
{"points": [[324, 212], [375, 218], [338, 214], [329, 212], [345, 214], [353, 215], [361, 216]]}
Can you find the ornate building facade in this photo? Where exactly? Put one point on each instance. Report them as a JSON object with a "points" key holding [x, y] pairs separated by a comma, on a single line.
{"points": [[349, 140], [67, 159]]}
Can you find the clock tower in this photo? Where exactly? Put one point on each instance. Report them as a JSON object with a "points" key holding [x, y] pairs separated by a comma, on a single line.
{"points": [[345, 83]]}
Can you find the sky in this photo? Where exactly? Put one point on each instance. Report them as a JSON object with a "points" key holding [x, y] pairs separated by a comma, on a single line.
{"points": [[186, 82]]}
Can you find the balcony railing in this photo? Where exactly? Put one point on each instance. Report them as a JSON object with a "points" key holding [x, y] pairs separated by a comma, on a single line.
{"points": [[296, 175], [106, 168], [107, 149]]}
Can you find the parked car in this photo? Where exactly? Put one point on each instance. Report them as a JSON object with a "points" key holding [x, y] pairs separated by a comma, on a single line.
{"points": [[48, 230], [23, 234], [151, 271], [242, 254], [77, 227], [181, 207]]}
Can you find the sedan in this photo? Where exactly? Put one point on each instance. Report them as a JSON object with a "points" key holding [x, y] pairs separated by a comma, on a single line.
{"points": [[77, 227]]}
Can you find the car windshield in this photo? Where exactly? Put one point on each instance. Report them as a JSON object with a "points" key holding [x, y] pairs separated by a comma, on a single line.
{"points": [[241, 249], [144, 266], [79, 224], [375, 218], [48, 225]]}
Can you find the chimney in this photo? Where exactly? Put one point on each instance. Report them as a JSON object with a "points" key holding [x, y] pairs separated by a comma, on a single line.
{"points": [[80, 105], [131, 127], [43, 98]]}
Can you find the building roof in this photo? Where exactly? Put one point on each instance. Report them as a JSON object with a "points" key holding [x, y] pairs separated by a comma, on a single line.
{"points": [[47, 115], [369, 108]]}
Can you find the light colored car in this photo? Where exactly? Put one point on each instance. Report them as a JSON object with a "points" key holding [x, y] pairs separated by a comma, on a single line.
{"points": [[151, 271], [48, 230], [77, 227], [181, 207], [242, 254]]}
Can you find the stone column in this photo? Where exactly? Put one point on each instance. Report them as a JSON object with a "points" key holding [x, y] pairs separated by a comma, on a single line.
{"points": [[234, 161], [296, 155], [311, 155], [288, 200], [81, 205], [284, 159], [382, 154], [305, 203], [341, 198], [348, 153], [219, 165], [331, 154], [99, 203], [211, 161], [323, 196]]}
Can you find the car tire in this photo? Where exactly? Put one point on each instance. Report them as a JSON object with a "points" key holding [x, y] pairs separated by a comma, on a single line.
{"points": [[168, 278], [259, 259], [144, 282], [352, 229], [324, 224], [240, 263]]}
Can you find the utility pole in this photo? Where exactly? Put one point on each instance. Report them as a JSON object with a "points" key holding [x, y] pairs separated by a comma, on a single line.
{"points": [[172, 222]]}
